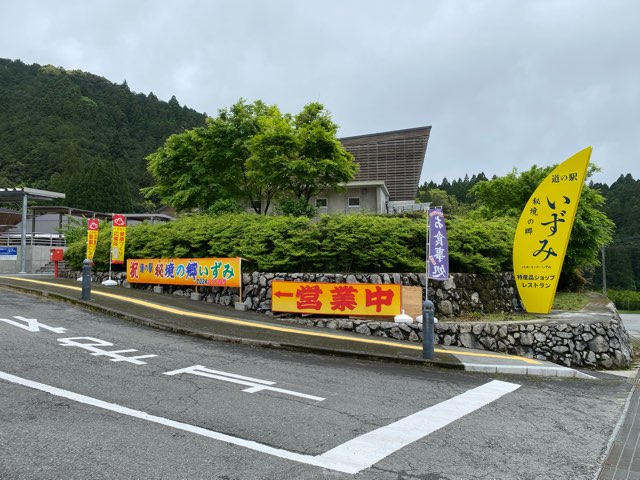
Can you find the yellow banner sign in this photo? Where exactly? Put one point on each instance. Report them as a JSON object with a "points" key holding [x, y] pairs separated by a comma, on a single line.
{"points": [[336, 298], [543, 232], [209, 272], [92, 236], [118, 237]]}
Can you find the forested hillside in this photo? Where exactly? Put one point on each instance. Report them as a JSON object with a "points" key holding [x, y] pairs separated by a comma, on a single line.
{"points": [[622, 255], [78, 133]]}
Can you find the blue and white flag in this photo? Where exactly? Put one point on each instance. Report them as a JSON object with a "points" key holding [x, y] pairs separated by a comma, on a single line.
{"points": [[438, 263]]}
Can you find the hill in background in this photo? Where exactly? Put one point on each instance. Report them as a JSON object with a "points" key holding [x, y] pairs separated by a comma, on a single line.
{"points": [[78, 133]]}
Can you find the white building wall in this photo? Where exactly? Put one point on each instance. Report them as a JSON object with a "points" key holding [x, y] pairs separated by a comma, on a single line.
{"points": [[372, 200]]}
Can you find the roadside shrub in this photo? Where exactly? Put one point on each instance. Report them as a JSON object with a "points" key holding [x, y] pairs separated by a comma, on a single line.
{"points": [[371, 243], [333, 243], [479, 245], [625, 299], [77, 251]]}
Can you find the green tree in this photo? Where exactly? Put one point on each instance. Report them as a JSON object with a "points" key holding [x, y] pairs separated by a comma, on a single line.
{"points": [[251, 153], [508, 195], [182, 177], [100, 187], [623, 254], [300, 156], [197, 168], [295, 207], [56, 124], [227, 150], [449, 203]]}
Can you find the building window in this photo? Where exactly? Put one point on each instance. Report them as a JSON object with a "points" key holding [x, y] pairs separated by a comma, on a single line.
{"points": [[354, 201], [321, 203]]}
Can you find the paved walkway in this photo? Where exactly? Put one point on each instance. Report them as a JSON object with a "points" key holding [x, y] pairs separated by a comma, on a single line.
{"points": [[623, 460]]}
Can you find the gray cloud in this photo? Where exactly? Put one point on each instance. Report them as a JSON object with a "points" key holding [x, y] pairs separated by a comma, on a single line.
{"points": [[504, 84]]}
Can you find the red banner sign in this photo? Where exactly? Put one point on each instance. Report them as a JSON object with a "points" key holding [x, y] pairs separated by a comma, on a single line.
{"points": [[362, 299], [92, 236], [118, 237]]}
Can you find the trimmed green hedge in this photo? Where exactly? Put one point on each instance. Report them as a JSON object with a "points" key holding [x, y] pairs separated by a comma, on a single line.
{"points": [[625, 299], [334, 243]]}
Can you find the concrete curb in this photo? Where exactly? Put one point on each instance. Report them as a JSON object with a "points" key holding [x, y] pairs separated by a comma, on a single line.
{"points": [[559, 371], [238, 340]]}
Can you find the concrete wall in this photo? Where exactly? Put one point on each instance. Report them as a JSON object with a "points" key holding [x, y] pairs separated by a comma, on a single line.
{"points": [[372, 200], [36, 257]]}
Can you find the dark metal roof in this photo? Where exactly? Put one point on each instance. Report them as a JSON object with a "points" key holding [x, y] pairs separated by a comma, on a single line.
{"points": [[17, 194], [77, 212], [393, 134]]}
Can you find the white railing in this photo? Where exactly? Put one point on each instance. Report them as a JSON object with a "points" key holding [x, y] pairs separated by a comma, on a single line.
{"points": [[411, 207], [39, 239]]}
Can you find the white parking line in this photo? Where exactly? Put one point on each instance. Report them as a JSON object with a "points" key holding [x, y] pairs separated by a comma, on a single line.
{"points": [[368, 449], [350, 457]]}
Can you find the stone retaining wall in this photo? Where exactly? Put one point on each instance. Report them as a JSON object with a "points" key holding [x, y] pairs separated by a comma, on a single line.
{"points": [[462, 293], [595, 340]]}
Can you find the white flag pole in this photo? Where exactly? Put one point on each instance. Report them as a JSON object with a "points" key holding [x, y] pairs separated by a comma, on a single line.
{"points": [[109, 282]]}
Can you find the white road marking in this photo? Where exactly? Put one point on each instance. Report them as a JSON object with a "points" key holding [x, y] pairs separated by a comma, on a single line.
{"points": [[32, 325], [350, 457], [365, 450], [254, 384], [90, 343]]}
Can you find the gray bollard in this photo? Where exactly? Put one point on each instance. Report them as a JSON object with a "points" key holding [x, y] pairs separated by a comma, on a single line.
{"points": [[427, 329], [86, 279]]}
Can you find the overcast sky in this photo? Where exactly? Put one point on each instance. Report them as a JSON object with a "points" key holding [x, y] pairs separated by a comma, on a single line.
{"points": [[504, 84]]}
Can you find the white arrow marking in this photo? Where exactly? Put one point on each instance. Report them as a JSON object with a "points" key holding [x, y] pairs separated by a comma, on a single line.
{"points": [[32, 325], [254, 384]]}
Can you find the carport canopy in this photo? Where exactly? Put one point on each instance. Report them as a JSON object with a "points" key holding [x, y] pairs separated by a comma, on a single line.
{"points": [[24, 194]]}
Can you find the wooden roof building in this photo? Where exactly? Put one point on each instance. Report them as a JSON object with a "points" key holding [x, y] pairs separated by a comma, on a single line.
{"points": [[395, 157]]}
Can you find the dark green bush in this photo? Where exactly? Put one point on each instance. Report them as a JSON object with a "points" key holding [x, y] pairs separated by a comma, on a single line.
{"points": [[370, 243], [478, 245], [625, 299]]}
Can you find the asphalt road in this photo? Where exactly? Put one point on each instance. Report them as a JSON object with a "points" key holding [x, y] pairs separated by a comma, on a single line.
{"points": [[632, 323], [88, 396]]}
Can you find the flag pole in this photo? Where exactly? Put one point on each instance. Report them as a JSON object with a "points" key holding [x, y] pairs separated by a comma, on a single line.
{"points": [[428, 247], [109, 282], [426, 283], [427, 307]]}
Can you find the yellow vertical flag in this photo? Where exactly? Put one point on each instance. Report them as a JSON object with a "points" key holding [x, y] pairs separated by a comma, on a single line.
{"points": [[543, 232], [92, 236], [118, 237]]}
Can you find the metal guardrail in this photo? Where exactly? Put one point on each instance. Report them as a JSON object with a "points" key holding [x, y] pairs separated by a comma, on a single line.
{"points": [[37, 239]]}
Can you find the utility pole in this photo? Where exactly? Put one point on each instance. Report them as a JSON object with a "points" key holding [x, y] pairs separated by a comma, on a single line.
{"points": [[604, 275]]}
